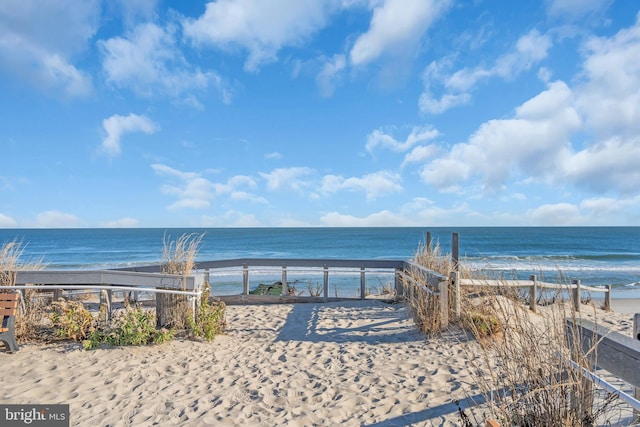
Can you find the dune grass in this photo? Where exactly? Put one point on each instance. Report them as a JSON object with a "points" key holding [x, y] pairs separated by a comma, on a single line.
{"points": [[179, 256], [31, 316], [520, 359]]}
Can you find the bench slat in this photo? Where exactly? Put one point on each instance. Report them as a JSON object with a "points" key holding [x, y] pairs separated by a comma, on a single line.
{"points": [[8, 304], [8, 309]]}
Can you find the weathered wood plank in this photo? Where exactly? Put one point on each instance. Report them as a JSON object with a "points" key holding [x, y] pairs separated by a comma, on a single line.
{"points": [[616, 353], [279, 262], [103, 277]]}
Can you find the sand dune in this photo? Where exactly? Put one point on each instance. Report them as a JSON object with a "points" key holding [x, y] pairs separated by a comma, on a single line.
{"points": [[358, 363]]}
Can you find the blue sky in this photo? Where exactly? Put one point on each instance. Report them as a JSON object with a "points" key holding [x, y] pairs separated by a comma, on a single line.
{"points": [[242, 113]]}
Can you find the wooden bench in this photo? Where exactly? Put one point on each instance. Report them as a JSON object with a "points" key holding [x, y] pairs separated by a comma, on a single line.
{"points": [[8, 308]]}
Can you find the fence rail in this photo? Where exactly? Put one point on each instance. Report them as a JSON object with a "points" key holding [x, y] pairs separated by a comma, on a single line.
{"points": [[533, 285], [420, 282], [103, 277], [611, 351], [107, 282]]}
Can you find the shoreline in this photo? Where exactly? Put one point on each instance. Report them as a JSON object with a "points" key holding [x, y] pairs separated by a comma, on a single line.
{"points": [[624, 305]]}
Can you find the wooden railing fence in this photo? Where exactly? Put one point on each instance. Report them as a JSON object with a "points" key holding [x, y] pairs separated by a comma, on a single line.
{"points": [[575, 289]]}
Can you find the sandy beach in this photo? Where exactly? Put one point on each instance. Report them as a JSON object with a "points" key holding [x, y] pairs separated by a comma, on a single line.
{"points": [[356, 363]]}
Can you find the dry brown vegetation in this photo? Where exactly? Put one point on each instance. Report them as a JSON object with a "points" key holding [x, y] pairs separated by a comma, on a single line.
{"points": [[178, 257], [524, 372], [31, 316]]}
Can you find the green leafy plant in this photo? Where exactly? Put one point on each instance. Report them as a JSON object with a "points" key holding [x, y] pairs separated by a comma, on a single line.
{"points": [[133, 326], [210, 318], [482, 325], [70, 320]]}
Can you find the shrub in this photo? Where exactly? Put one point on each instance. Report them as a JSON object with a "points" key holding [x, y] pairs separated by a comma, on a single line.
{"points": [[71, 320], [482, 325], [210, 318], [133, 326]]}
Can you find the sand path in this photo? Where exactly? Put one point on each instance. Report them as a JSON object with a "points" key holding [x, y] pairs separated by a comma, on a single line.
{"points": [[359, 363]]}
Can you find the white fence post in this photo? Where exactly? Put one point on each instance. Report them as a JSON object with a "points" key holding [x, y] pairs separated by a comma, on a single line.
{"points": [[443, 286], [533, 294], [285, 287], [325, 274], [607, 299], [105, 304], [245, 279], [455, 286], [576, 296]]}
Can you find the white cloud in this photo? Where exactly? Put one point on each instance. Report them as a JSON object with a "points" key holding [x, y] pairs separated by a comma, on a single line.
{"points": [[259, 27], [605, 207], [609, 100], [287, 178], [378, 219], [116, 126], [430, 104], [530, 49], [38, 42], [414, 213], [418, 135], [610, 165], [137, 10], [586, 136], [420, 211], [57, 219], [7, 222], [194, 191], [557, 214], [609, 95], [121, 223], [329, 75], [420, 154], [149, 62], [273, 155], [231, 218], [396, 27], [373, 185], [573, 9], [536, 142]]}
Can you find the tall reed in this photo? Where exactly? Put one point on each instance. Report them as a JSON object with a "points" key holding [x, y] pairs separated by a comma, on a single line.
{"points": [[178, 257], [31, 317], [422, 299]]}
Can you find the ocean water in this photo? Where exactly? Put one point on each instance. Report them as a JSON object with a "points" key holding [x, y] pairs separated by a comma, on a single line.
{"points": [[596, 255]]}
